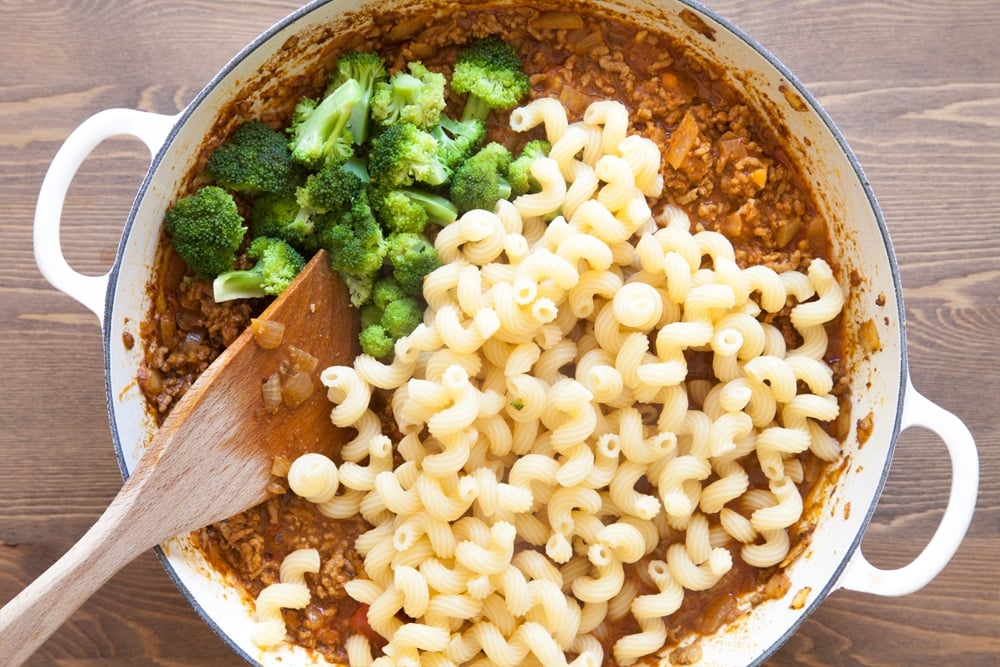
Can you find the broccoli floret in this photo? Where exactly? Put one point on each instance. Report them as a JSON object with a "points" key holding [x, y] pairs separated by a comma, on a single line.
{"points": [[458, 139], [402, 316], [368, 69], [489, 71], [404, 154], [206, 230], [412, 257], [319, 130], [385, 291], [277, 265], [416, 96], [283, 217], [369, 313], [519, 172], [398, 213], [376, 341], [391, 315], [253, 160], [410, 209], [293, 217], [481, 180], [356, 245], [335, 187]]}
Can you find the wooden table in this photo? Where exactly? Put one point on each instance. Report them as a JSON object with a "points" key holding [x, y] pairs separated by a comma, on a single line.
{"points": [[914, 86]]}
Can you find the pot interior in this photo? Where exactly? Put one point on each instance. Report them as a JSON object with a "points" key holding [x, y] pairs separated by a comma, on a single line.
{"points": [[253, 82]]}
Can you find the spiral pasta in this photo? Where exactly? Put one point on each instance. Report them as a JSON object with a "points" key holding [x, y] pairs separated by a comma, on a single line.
{"points": [[289, 592], [554, 440]]}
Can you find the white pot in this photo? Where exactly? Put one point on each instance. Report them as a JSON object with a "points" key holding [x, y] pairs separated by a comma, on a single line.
{"points": [[881, 385]]}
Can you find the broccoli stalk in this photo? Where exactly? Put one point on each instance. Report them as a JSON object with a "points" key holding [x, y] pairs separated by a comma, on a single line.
{"points": [[415, 96], [489, 71], [255, 159], [368, 69], [277, 265], [206, 229], [403, 154], [319, 131], [480, 182]]}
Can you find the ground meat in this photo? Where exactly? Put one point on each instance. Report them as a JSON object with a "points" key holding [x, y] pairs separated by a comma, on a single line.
{"points": [[251, 545], [185, 333]]}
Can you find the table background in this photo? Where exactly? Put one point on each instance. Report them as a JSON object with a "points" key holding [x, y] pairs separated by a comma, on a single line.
{"points": [[915, 88]]}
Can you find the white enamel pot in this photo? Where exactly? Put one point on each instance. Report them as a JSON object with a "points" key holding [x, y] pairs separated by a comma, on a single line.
{"points": [[861, 244]]}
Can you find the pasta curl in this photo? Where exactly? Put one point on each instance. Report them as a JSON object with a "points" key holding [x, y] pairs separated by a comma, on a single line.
{"points": [[578, 422]]}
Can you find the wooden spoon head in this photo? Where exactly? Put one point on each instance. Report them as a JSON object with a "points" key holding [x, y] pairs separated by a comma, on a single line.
{"points": [[212, 457]]}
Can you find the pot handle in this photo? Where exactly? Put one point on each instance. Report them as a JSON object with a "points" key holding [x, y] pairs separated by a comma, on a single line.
{"points": [[152, 129], [862, 576]]}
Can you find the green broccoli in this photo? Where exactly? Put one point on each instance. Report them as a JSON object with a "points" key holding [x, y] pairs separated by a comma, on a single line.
{"points": [[481, 180], [283, 217], [253, 160], [416, 96], [385, 291], [368, 69], [206, 230], [390, 315], [519, 172], [401, 317], [412, 257], [293, 217], [404, 154], [376, 341], [356, 245], [410, 209], [489, 71], [277, 265], [319, 131], [458, 139], [335, 187]]}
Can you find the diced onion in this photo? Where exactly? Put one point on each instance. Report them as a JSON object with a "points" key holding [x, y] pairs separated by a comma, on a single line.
{"points": [[267, 333], [280, 466], [297, 388], [787, 233], [682, 141], [302, 360], [271, 392], [150, 380]]}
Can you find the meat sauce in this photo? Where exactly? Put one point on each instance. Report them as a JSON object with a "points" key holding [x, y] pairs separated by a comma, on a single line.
{"points": [[733, 177]]}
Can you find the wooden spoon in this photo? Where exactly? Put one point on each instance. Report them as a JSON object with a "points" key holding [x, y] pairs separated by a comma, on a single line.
{"points": [[210, 460]]}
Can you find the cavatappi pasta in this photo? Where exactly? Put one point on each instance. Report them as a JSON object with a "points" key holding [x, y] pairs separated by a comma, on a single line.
{"points": [[290, 592], [549, 436], [694, 422]]}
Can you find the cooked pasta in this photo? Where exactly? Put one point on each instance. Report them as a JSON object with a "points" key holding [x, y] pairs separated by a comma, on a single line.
{"points": [[289, 592], [553, 436], [314, 477]]}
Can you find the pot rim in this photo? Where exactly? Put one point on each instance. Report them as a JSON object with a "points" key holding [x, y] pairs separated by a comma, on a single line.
{"points": [[829, 585]]}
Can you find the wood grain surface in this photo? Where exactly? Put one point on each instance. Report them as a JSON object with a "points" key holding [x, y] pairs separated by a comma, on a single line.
{"points": [[914, 85]]}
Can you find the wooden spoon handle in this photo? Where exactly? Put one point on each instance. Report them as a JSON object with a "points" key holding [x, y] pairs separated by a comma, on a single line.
{"points": [[41, 608]]}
